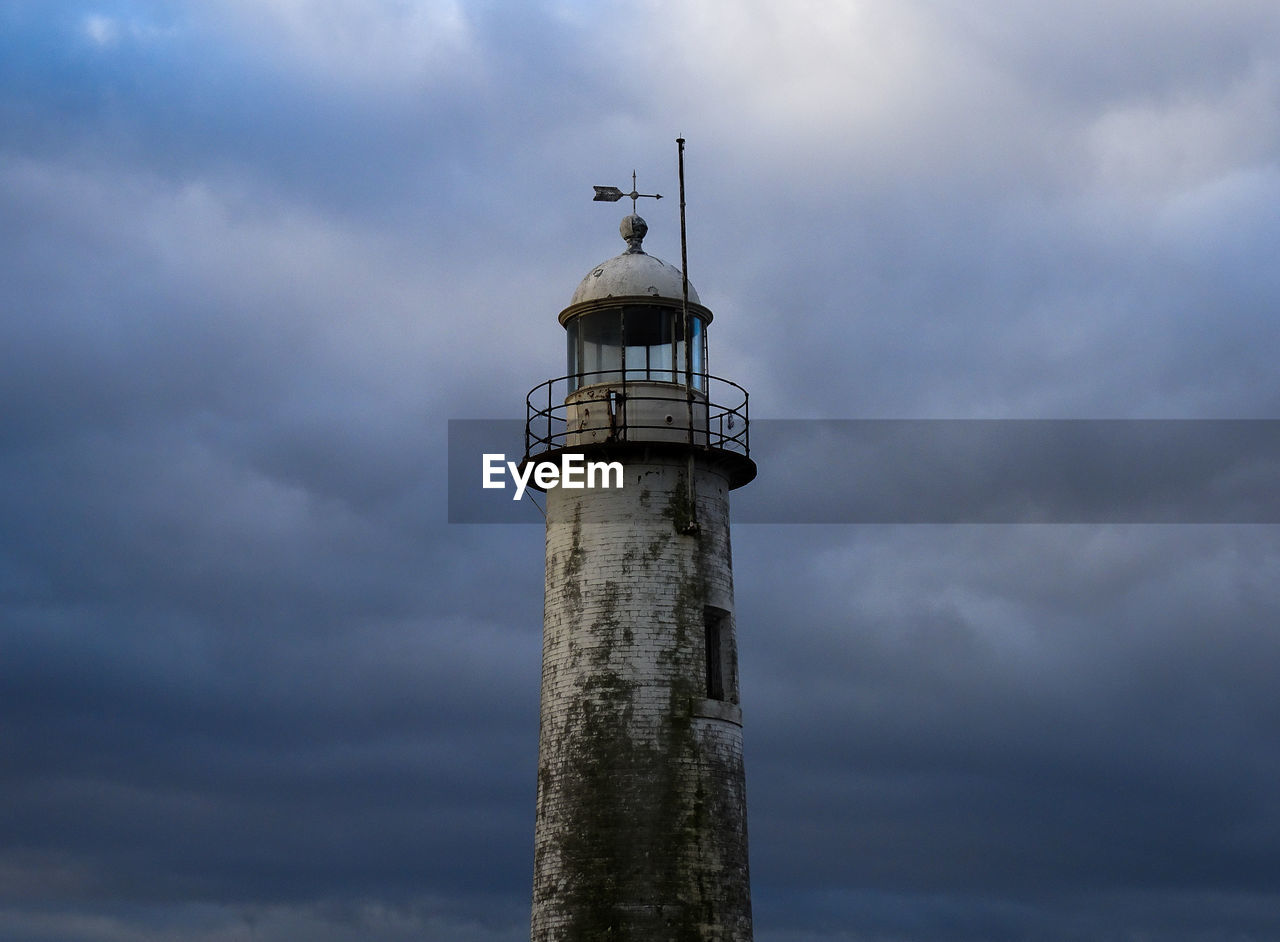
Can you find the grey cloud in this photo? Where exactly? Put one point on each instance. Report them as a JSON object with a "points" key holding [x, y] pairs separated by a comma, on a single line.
{"points": [[255, 686]]}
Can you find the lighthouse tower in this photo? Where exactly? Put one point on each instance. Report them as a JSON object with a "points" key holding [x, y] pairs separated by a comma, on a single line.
{"points": [[641, 809]]}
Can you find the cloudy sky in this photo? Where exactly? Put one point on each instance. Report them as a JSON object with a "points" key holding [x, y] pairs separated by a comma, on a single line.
{"points": [[256, 254]]}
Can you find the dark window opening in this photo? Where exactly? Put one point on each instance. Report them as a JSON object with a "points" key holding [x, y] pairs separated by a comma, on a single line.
{"points": [[713, 621]]}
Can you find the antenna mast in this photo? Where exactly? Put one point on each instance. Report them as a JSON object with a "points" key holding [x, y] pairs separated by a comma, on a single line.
{"points": [[684, 275]]}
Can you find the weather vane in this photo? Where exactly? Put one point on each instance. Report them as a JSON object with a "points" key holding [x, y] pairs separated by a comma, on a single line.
{"points": [[611, 194]]}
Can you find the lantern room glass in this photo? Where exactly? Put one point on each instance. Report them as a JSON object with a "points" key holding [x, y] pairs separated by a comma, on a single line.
{"points": [[599, 348], [634, 342], [648, 336]]}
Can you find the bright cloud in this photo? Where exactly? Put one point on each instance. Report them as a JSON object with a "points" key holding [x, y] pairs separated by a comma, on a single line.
{"points": [[380, 42]]}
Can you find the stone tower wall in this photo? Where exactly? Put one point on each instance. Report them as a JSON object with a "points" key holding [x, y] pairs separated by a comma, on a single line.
{"points": [[641, 816]]}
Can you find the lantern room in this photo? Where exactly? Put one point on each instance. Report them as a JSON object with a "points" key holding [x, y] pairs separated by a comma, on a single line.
{"points": [[637, 371], [627, 322]]}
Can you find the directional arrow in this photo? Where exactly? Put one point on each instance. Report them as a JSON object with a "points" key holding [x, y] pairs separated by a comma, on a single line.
{"points": [[611, 194]]}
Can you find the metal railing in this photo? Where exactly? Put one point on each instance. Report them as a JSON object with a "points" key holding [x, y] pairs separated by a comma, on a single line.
{"points": [[713, 417]]}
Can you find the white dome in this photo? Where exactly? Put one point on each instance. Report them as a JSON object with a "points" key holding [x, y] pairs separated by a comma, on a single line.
{"points": [[633, 273], [629, 274]]}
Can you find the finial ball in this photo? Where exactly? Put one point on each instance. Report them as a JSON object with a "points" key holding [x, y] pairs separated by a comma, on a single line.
{"points": [[633, 230]]}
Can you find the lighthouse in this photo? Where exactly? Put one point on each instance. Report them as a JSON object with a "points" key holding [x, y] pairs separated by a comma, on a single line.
{"points": [[641, 804]]}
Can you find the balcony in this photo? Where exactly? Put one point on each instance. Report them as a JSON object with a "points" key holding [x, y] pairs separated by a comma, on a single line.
{"points": [[599, 411]]}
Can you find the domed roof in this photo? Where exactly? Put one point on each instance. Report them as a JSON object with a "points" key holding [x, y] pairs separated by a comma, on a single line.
{"points": [[633, 273]]}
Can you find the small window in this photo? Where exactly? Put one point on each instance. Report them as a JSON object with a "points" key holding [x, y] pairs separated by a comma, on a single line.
{"points": [[713, 622]]}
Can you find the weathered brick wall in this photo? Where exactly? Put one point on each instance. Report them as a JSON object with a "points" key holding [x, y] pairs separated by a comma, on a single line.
{"points": [[641, 818]]}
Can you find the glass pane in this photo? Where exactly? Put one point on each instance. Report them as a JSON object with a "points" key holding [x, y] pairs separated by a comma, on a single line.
{"points": [[698, 362], [636, 357], [648, 332], [647, 325], [601, 347], [699, 354], [571, 341], [660, 363], [601, 363]]}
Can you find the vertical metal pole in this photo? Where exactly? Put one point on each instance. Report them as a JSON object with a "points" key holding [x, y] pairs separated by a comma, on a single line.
{"points": [[684, 296], [684, 257], [691, 494]]}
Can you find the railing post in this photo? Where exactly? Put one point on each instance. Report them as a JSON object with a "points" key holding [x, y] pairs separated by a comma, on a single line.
{"points": [[712, 414]]}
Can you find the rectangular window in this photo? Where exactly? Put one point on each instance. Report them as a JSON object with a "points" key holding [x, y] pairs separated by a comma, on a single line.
{"points": [[713, 622]]}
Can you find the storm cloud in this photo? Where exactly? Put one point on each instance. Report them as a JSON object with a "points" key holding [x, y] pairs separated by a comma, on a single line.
{"points": [[257, 255]]}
